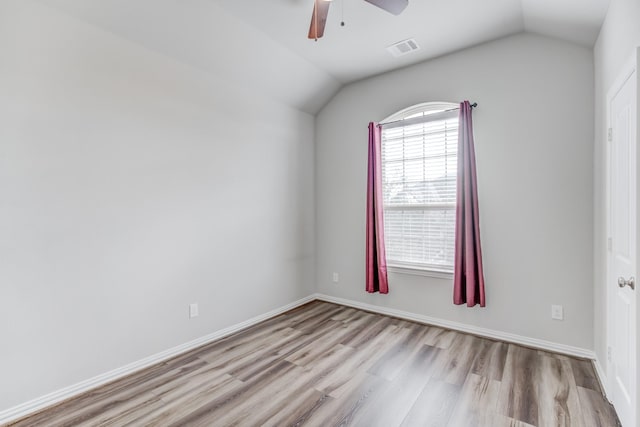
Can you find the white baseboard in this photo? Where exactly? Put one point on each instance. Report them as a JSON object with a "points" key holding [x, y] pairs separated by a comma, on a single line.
{"points": [[489, 333], [602, 377], [58, 396]]}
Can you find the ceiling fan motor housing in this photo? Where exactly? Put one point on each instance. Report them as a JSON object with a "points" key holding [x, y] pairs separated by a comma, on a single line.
{"points": [[392, 6]]}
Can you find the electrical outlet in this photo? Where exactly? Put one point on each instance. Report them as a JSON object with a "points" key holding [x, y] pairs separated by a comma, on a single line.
{"points": [[336, 277], [193, 310], [557, 312]]}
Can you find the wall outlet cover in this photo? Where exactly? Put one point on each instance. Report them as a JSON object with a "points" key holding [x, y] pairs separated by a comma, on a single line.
{"points": [[193, 310], [557, 312]]}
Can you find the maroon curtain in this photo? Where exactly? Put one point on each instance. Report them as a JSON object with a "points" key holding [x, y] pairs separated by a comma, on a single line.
{"points": [[376, 258], [468, 278]]}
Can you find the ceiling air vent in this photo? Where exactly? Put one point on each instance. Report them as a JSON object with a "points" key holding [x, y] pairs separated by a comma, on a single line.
{"points": [[403, 47]]}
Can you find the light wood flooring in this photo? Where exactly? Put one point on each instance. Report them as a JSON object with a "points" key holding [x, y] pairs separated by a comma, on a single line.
{"points": [[327, 365]]}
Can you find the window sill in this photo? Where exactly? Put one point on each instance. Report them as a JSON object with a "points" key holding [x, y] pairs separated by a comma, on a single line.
{"points": [[415, 271]]}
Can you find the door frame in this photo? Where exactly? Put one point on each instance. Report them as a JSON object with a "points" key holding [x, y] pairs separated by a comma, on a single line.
{"points": [[631, 66]]}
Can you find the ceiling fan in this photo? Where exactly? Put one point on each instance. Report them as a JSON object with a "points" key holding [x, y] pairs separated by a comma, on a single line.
{"points": [[321, 10]]}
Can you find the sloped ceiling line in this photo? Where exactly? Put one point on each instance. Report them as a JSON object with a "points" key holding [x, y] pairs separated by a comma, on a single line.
{"points": [[264, 44]]}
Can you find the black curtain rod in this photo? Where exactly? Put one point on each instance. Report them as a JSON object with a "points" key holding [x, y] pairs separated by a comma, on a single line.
{"points": [[474, 105]]}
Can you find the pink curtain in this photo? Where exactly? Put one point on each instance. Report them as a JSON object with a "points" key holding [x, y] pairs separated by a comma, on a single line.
{"points": [[468, 278], [376, 258]]}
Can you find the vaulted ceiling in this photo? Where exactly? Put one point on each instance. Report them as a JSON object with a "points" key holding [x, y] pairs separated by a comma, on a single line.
{"points": [[262, 45], [357, 50]]}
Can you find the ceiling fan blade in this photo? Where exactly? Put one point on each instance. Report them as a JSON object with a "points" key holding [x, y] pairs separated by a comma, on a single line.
{"points": [[319, 18], [392, 6]]}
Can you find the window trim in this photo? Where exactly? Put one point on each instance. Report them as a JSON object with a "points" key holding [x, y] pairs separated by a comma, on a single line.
{"points": [[441, 110], [439, 106], [438, 115], [419, 270]]}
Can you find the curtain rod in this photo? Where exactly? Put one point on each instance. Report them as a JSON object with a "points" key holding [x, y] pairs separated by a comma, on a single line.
{"points": [[474, 105]]}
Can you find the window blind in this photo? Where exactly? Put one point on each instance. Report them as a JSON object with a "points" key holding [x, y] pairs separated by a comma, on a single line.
{"points": [[419, 168]]}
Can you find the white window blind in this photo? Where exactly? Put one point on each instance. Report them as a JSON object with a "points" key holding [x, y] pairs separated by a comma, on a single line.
{"points": [[419, 168]]}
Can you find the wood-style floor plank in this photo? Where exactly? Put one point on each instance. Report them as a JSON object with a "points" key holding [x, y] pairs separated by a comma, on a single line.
{"points": [[389, 408], [584, 375], [558, 402], [597, 411], [477, 402], [434, 406], [438, 337], [490, 359], [174, 410], [456, 363], [518, 391], [324, 365]]}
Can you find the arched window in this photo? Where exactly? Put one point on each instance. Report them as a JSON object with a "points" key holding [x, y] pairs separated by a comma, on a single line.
{"points": [[419, 171]]}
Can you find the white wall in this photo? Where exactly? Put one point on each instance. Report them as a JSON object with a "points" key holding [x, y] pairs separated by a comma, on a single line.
{"points": [[130, 186], [203, 34], [534, 133], [619, 36]]}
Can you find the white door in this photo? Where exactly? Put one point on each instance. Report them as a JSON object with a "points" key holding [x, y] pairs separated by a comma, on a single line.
{"points": [[622, 247]]}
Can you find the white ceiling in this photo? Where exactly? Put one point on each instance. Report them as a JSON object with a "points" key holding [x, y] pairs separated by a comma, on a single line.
{"points": [[357, 50], [262, 45]]}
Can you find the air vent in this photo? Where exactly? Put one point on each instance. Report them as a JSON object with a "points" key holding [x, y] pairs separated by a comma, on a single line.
{"points": [[403, 47]]}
